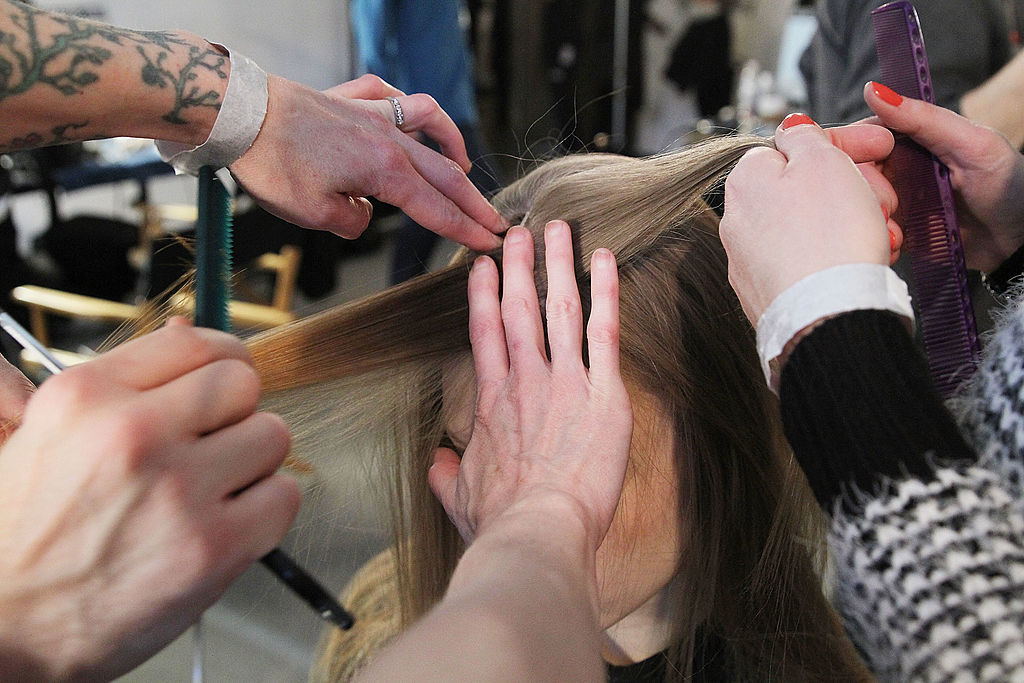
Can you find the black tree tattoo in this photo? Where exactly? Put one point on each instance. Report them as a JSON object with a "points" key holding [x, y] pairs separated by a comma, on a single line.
{"points": [[58, 135], [186, 94], [68, 59]]}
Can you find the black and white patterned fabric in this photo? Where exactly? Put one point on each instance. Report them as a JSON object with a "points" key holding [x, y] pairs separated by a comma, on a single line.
{"points": [[990, 407], [930, 578], [929, 551]]}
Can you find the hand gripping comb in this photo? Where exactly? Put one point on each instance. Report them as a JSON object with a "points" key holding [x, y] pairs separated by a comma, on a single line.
{"points": [[931, 234]]}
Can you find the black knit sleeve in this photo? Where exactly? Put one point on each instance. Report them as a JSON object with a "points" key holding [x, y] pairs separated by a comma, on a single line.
{"points": [[858, 406]]}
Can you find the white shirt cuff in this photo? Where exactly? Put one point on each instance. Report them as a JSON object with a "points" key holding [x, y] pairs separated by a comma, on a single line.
{"points": [[824, 294]]}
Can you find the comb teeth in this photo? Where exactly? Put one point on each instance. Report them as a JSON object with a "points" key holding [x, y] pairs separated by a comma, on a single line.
{"points": [[927, 212]]}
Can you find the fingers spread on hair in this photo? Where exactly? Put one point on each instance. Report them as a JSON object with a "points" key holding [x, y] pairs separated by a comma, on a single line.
{"points": [[603, 326], [564, 315], [486, 330], [520, 309]]}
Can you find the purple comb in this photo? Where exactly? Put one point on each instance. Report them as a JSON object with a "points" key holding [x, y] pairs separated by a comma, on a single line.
{"points": [[931, 234]]}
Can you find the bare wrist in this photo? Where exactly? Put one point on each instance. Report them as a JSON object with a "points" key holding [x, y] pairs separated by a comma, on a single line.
{"points": [[547, 532], [549, 517]]}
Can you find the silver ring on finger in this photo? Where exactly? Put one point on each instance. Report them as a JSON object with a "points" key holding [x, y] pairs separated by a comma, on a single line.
{"points": [[399, 114]]}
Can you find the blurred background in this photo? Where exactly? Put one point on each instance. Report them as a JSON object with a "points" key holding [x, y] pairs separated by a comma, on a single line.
{"points": [[524, 80]]}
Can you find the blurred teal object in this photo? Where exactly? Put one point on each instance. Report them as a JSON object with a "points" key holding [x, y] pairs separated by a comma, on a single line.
{"points": [[213, 252]]}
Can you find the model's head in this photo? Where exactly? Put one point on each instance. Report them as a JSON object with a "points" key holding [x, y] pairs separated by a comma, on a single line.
{"points": [[713, 545]]}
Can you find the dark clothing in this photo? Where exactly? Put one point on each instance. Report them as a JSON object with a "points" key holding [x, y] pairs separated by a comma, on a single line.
{"points": [[701, 60], [853, 440]]}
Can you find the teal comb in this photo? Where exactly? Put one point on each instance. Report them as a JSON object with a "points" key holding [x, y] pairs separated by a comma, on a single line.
{"points": [[213, 252]]}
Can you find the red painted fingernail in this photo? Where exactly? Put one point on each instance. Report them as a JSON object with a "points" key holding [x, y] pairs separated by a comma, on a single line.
{"points": [[887, 94], [885, 213], [892, 241], [797, 120]]}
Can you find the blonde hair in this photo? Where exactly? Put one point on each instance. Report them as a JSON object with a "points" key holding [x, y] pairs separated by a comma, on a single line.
{"points": [[753, 534]]}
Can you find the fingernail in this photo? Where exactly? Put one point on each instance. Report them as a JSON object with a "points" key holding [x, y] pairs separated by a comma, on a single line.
{"points": [[887, 94], [885, 213], [797, 120], [892, 241], [604, 258], [556, 226]]}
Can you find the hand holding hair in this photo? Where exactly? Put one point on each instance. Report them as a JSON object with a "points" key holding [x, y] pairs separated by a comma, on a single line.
{"points": [[808, 233], [319, 154], [986, 171], [138, 486], [802, 208]]}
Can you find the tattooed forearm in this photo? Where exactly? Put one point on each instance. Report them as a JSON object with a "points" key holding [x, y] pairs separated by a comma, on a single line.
{"points": [[186, 93], [67, 56], [24, 60], [58, 135]]}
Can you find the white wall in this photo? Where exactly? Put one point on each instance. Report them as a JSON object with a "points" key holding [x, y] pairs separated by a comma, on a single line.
{"points": [[304, 40], [757, 27]]}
